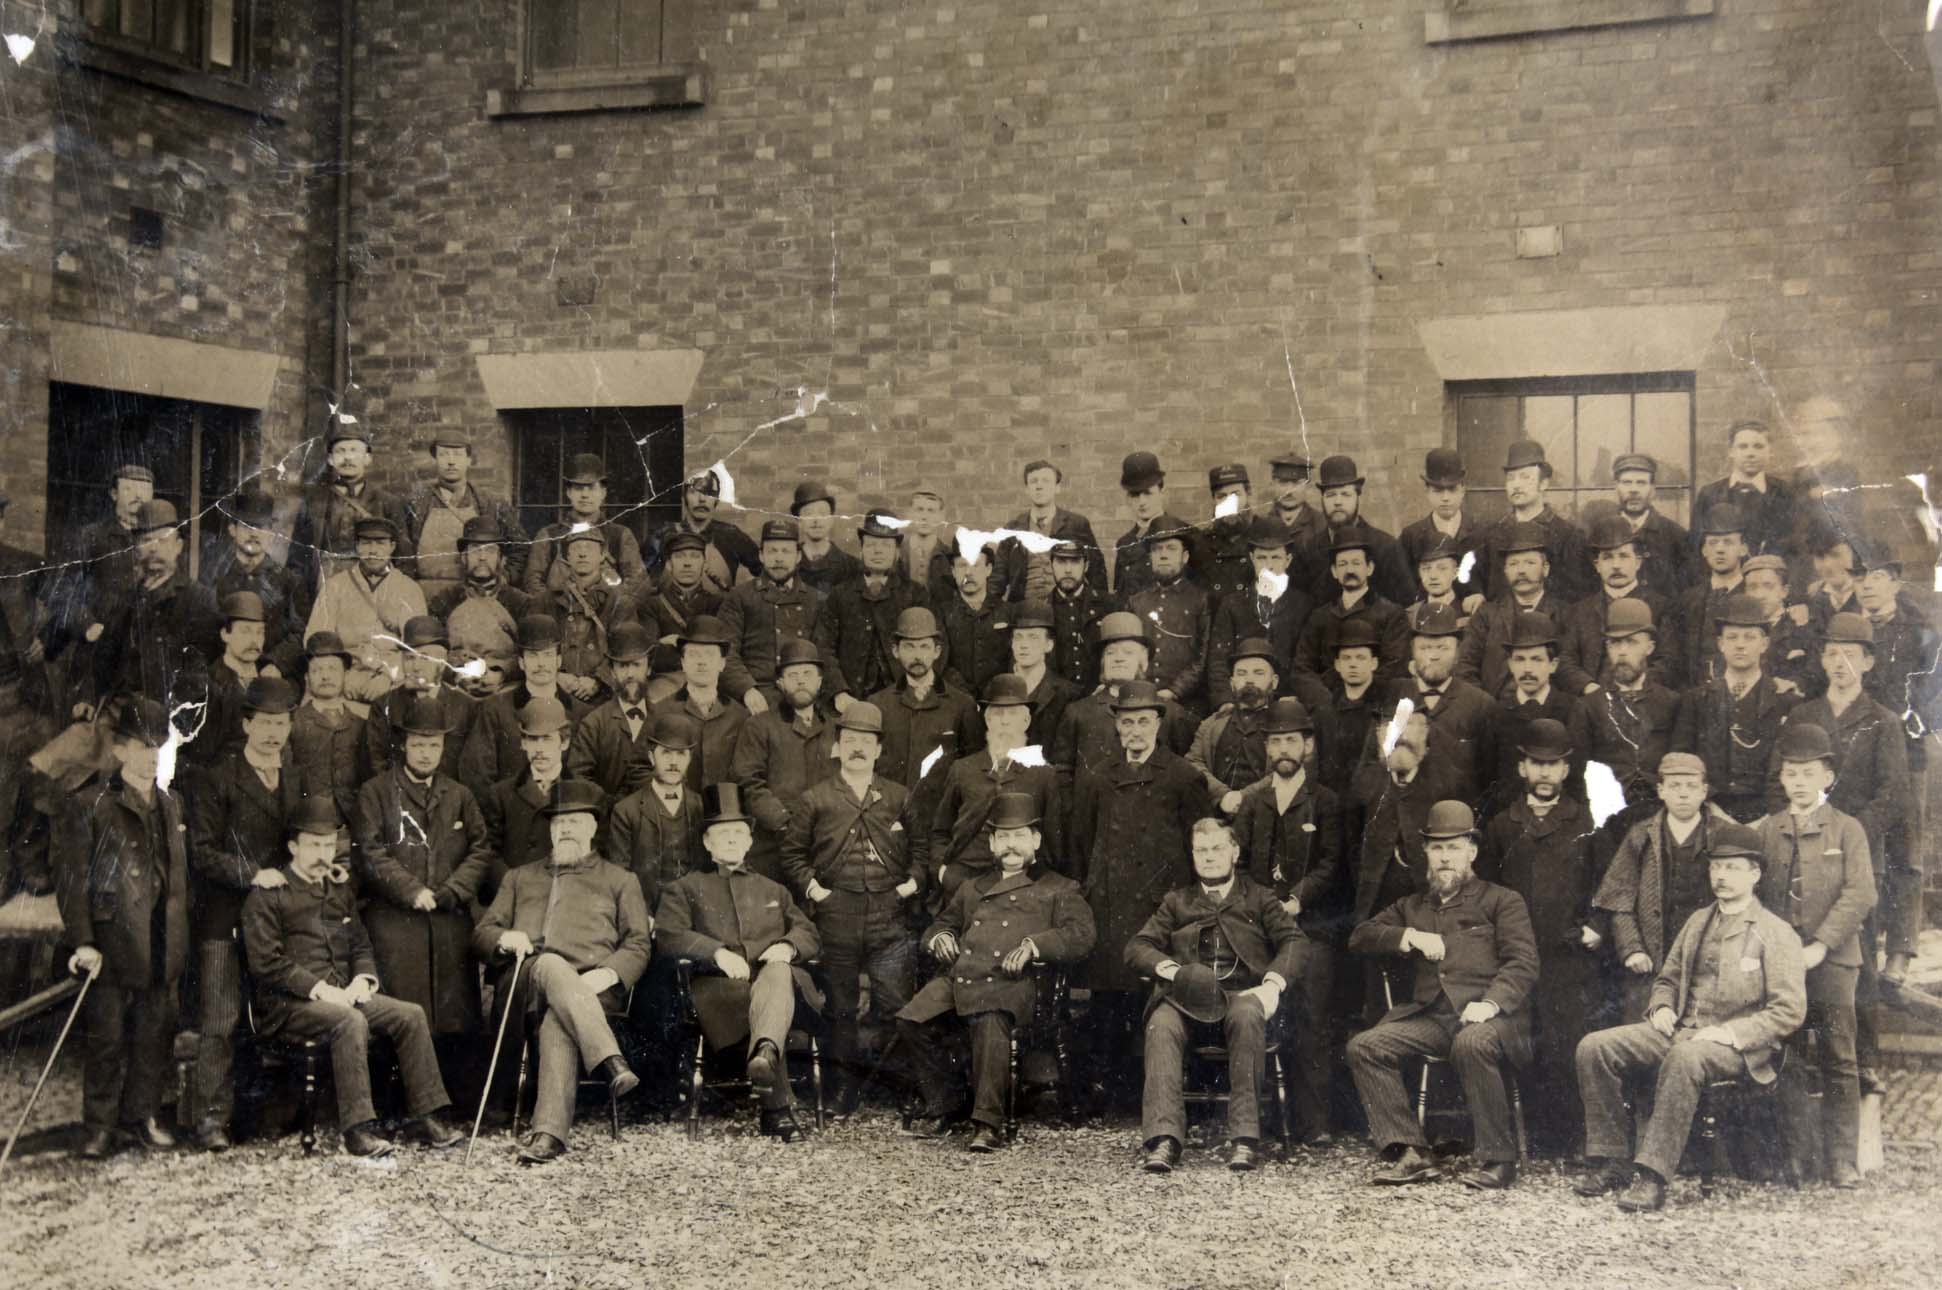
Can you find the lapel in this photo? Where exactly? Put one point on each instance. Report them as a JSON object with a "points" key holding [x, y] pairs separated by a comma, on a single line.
{"points": [[253, 787], [1010, 883]]}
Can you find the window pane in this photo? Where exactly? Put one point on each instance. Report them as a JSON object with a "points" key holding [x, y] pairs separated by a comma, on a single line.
{"points": [[138, 19], [640, 32], [173, 29], [597, 43], [1604, 431], [100, 13], [1548, 419], [223, 33], [1486, 425], [1664, 430], [552, 28]]}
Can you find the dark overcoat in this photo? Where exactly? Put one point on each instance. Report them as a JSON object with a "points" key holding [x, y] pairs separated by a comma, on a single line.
{"points": [[991, 915], [1132, 829], [745, 913]]}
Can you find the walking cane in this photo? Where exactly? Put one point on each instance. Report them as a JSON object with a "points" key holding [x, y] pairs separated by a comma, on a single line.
{"points": [[48, 1069], [512, 985]]}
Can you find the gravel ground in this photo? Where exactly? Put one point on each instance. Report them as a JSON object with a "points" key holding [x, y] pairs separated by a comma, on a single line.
{"points": [[1063, 1207]]}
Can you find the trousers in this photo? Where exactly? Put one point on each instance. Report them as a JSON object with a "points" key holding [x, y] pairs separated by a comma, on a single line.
{"points": [[221, 974], [862, 932], [936, 1060], [574, 1034], [1311, 990], [1163, 1108], [348, 1030], [1475, 1052], [1683, 1068], [1830, 1012], [125, 1041]]}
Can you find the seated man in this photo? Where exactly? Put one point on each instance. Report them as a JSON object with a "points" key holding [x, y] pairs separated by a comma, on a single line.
{"points": [[587, 927], [1732, 989], [1473, 979], [316, 979], [1021, 913], [749, 928], [1223, 950]]}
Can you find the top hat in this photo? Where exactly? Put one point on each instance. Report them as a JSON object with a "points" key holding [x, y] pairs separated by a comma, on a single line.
{"points": [[1450, 819], [1140, 471], [574, 796], [585, 468], [1013, 811], [1337, 471], [1288, 715], [722, 804], [1545, 740], [1443, 467]]}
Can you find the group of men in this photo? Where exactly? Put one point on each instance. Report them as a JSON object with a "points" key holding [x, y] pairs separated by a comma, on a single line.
{"points": [[1558, 806]]}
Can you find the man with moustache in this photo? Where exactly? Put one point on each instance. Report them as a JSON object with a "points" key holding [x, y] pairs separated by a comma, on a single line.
{"points": [[728, 555], [1351, 568], [1616, 561], [975, 623], [1462, 719], [324, 539], [718, 719], [1482, 657], [1179, 615], [679, 593], [368, 604], [610, 744], [928, 722], [160, 630], [84, 592], [618, 563], [481, 609], [587, 607], [1390, 574], [1145, 486], [1298, 505], [1629, 718], [781, 753], [438, 513], [244, 564], [326, 737], [1087, 736], [514, 809], [1076, 608], [1665, 549], [1219, 548], [1535, 695], [1476, 964], [241, 635], [824, 566], [960, 833], [1393, 795], [493, 749], [1527, 475], [1273, 609], [1047, 692], [1723, 551], [1230, 747], [1447, 526], [856, 627], [655, 831]]}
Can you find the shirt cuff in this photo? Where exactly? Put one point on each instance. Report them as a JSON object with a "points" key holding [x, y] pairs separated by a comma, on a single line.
{"points": [[1034, 944], [1276, 980], [1163, 963]]}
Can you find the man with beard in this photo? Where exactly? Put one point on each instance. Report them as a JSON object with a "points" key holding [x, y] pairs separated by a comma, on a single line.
{"points": [[1526, 575], [1179, 616], [610, 744], [718, 719], [492, 749], [1132, 822], [104, 566], [1462, 719], [680, 592], [781, 753], [1298, 505], [1222, 951], [1629, 718], [481, 610], [437, 514], [1219, 548], [1087, 736], [1766, 503], [928, 722], [655, 831], [729, 556], [1732, 722], [587, 607], [324, 538], [1393, 796], [583, 922], [1019, 915], [761, 614], [1076, 608], [1048, 692], [241, 635], [244, 564], [824, 565], [1447, 526], [858, 854], [1293, 842], [619, 562], [959, 843], [1145, 486], [1273, 609], [1665, 549], [856, 626], [1026, 574], [1390, 573], [1468, 1003], [1351, 553], [1526, 477], [1733, 987], [1616, 560], [158, 634], [514, 808], [975, 623], [1722, 548], [326, 737], [1230, 747], [1534, 696], [925, 557], [368, 605], [424, 672], [1545, 848]]}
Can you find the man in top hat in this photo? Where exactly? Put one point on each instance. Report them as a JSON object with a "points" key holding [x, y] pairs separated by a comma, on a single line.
{"points": [[1273, 610], [925, 555], [959, 825], [728, 555], [1297, 504], [316, 978], [1131, 827], [857, 625], [1048, 692], [243, 563], [327, 743], [324, 539], [825, 566], [587, 929], [718, 719], [680, 591], [513, 808], [1820, 880], [492, 748], [1351, 568], [237, 818], [1179, 615], [1545, 847], [1218, 549], [1025, 573], [748, 940], [655, 831], [1293, 839], [759, 615], [1629, 717], [1731, 722], [438, 511], [1076, 609], [1390, 573], [160, 629], [1483, 657], [976, 622], [1666, 563], [481, 608], [424, 671], [1732, 989], [1222, 950], [1447, 528], [610, 743], [781, 753], [423, 854], [1230, 749], [1468, 1002], [240, 662], [1616, 559], [1723, 553], [619, 559], [1020, 913], [120, 858], [928, 720], [1145, 485], [368, 604], [1088, 736], [1526, 477], [858, 853], [1536, 693], [1463, 720], [1766, 502]]}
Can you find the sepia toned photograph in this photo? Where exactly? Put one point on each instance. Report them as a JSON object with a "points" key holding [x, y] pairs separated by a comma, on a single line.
{"points": [[970, 643]]}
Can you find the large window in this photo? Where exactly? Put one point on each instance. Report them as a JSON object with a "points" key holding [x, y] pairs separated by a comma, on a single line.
{"points": [[199, 35], [640, 446], [197, 452], [1584, 423], [601, 42]]}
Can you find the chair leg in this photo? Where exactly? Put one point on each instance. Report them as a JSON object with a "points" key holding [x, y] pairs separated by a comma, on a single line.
{"points": [[1517, 1116], [613, 1113], [1279, 1074], [816, 1077], [519, 1090], [1011, 1090], [1062, 1062], [694, 1086], [1708, 1146], [1423, 1098], [307, 1103]]}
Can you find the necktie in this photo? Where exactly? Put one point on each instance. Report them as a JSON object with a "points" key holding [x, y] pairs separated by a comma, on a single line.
{"points": [[634, 719], [1430, 699]]}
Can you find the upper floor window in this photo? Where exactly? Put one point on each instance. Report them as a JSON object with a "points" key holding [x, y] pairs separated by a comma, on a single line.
{"points": [[591, 55], [196, 35]]}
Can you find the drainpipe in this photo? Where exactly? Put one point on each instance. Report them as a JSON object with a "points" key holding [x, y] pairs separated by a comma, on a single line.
{"points": [[340, 355]]}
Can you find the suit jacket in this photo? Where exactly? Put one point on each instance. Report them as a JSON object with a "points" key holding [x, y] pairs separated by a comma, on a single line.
{"points": [[655, 846], [776, 761], [1315, 655], [1819, 878], [744, 913], [589, 913], [921, 738], [1075, 652], [1633, 887], [1255, 925], [1419, 536], [1571, 572], [545, 564], [286, 603], [1761, 993], [760, 615], [327, 754], [1870, 767], [991, 915], [1581, 652], [515, 825], [1133, 566], [856, 634], [960, 842], [1178, 616], [1631, 733], [1483, 657], [384, 740], [829, 571], [1392, 816], [1301, 852], [977, 643], [714, 756], [1737, 749], [1769, 515], [300, 935], [490, 747], [603, 751], [237, 827], [1131, 839], [732, 555], [1008, 572], [1392, 576], [830, 815], [1514, 715], [1220, 559], [115, 867], [1464, 731], [666, 610], [1553, 862], [158, 643], [1087, 739], [1246, 614]]}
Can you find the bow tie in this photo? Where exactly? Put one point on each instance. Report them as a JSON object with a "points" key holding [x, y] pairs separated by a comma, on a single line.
{"points": [[633, 714]]}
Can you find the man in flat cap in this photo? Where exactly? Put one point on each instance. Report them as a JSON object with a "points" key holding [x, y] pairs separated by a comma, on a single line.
{"points": [[323, 539], [438, 511], [492, 747], [1222, 950], [1731, 991], [1019, 912], [1616, 560], [1390, 573], [587, 605], [825, 566], [975, 621], [1468, 1001], [960, 838], [1145, 485], [928, 720], [781, 753], [514, 807], [1731, 722], [610, 744], [1274, 609], [243, 563], [1793, 654], [482, 608], [1766, 502], [761, 614], [159, 634], [619, 558], [1483, 657], [925, 556], [1352, 565], [1629, 718], [679, 592], [1179, 616], [729, 556], [1527, 474], [1447, 526], [368, 604], [587, 929], [1218, 549], [856, 627], [1667, 562], [1076, 609], [1024, 573]]}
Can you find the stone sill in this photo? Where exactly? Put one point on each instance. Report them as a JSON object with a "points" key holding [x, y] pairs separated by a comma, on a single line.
{"points": [[675, 85], [1494, 19], [203, 86]]}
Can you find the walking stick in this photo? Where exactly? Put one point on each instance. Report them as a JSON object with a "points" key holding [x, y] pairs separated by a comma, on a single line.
{"points": [[47, 1070], [512, 985]]}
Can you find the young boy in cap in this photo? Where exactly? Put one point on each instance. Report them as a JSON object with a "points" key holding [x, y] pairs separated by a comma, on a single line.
{"points": [[1447, 530], [585, 480], [368, 604], [825, 566], [1793, 649], [761, 614], [316, 978]]}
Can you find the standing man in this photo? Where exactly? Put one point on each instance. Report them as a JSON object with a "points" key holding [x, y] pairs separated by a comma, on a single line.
{"points": [[718, 719], [1032, 625], [1145, 486], [1767, 503], [824, 565], [160, 633], [1088, 736], [1393, 796], [1629, 718], [492, 748], [976, 622], [324, 538], [1616, 559], [1390, 573], [680, 592], [610, 744], [1298, 505], [241, 635], [1732, 722], [1526, 570], [1230, 748], [1351, 552], [1526, 477], [761, 614], [655, 831], [105, 566], [1469, 1003], [729, 556], [1666, 563], [437, 513], [327, 738], [244, 564], [857, 624], [425, 673], [925, 557], [1722, 549], [1793, 648], [780, 754], [1463, 721], [585, 483], [1535, 696], [960, 825], [368, 604], [481, 610], [1348, 709], [1025, 574], [516, 828], [1219, 547], [587, 606], [1447, 526], [928, 722], [1274, 609], [1076, 609], [1180, 615]]}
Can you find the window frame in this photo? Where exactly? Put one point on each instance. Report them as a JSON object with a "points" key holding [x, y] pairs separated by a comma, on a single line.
{"points": [[109, 52], [661, 499], [668, 82]]}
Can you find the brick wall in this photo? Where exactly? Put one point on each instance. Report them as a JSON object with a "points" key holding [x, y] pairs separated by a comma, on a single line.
{"points": [[26, 219], [994, 229]]}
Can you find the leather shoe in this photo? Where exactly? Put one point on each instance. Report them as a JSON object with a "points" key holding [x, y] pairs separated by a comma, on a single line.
{"points": [[1244, 1157], [761, 1068], [1161, 1156], [150, 1134], [1321, 1141], [985, 1140], [928, 1126], [1871, 1081], [365, 1140], [1646, 1194], [436, 1132], [540, 1148], [781, 1123], [1411, 1167], [99, 1144], [1613, 1175], [213, 1138], [1498, 1175], [1843, 1176], [620, 1077]]}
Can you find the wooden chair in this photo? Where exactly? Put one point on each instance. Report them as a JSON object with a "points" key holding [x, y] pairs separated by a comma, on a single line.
{"points": [[1210, 1060], [1755, 1105], [1050, 1020], [305, 1056], [1431, 1063], [694, 1074]]}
